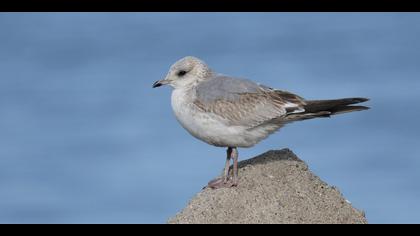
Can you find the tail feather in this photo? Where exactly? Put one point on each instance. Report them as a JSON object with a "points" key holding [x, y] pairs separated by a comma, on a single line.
{"points": [[326, 108], [326, 105], [345, 109]]}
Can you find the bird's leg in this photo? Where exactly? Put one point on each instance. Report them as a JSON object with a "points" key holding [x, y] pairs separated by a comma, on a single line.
{"points": [[227, 165], [225, 180], [235, 156]]}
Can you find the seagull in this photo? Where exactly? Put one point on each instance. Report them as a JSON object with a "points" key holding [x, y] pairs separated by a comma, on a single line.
{"points": [[232, 112]]}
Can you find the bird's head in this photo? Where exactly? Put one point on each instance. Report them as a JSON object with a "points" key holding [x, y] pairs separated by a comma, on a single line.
{"points": [[186, 72]]}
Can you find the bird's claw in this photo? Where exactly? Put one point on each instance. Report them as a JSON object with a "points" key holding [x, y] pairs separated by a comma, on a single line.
{"points": [[221, 183]]}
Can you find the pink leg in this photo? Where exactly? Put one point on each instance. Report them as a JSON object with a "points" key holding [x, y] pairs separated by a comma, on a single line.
{"points": [[227, 165], [235, 156], [225, 181]]}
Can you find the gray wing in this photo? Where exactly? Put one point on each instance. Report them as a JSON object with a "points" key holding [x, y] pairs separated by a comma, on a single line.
{"points": [[225, 88], [244, 103]]}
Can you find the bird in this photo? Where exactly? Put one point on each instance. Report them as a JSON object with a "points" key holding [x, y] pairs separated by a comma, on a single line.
{"points": [[233, 112]]}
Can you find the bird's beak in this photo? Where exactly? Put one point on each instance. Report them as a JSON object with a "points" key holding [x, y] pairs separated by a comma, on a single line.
{"points": [[160, 83]]}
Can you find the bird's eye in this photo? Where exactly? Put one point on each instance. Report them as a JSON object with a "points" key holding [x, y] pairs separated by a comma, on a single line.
{"points": [[181, 72]]}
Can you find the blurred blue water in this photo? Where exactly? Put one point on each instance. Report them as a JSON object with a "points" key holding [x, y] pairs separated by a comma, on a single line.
{"points": [[85, 139]]}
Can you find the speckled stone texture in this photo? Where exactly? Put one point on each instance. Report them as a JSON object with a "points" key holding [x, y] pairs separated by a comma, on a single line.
{"points": [[275, 187]]}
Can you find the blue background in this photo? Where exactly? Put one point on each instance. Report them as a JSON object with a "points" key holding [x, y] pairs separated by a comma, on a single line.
{"points": [[85, 139]]}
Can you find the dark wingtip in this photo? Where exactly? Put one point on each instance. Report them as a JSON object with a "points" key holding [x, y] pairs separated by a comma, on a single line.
{"points": [[157, 84], [345, 109], [361, 99]]}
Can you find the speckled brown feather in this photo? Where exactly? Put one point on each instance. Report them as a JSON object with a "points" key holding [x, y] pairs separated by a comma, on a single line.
{"points": [[250, 109], [253, 109]]}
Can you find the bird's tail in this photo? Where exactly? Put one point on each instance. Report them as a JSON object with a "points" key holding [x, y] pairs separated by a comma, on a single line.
{"points": [[327, 108]]}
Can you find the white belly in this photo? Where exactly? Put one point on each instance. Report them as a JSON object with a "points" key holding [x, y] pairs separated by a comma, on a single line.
{"points": [[210, 128]]}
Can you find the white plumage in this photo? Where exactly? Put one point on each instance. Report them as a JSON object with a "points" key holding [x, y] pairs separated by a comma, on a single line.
{"points": [[230, 112], [212, 128]]}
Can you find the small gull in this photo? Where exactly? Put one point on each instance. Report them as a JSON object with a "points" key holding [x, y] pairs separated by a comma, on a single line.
{"points": [[233, 112]]}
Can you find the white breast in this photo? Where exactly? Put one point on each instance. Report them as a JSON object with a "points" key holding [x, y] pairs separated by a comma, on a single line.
{"points": [[210, 128], [204, 126]]}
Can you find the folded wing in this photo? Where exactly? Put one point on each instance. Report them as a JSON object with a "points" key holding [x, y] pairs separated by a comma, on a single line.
{"points": [[242, 102]]}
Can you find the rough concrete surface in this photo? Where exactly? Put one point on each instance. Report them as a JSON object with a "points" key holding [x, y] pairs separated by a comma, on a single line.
{"points": [[275, 187]]}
